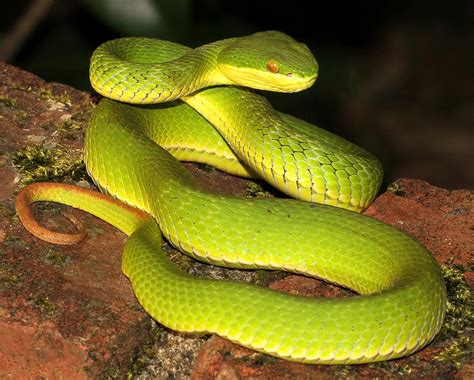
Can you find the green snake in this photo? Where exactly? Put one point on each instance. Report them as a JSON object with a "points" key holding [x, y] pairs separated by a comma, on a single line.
{"points": [[191, 102]]}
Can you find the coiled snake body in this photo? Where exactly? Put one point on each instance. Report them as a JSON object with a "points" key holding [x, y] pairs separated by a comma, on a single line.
{"points": [[402, 295]]}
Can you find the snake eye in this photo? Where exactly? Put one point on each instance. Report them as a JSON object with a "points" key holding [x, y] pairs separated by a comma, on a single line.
{"points": [[272, 67]]}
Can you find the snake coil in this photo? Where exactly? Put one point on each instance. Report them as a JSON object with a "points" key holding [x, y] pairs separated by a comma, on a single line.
{"points": [[209, 117]]}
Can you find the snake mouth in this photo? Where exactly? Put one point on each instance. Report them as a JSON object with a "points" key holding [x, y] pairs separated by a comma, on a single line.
{"points": [[261, 80], [302, 83]]}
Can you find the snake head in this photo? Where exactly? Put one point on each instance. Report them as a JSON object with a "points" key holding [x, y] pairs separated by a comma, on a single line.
{"points": [[268, 61]]}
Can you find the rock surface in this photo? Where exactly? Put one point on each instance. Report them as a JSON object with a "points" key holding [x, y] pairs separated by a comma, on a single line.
{"points": [[68, 312], [64, 311]]}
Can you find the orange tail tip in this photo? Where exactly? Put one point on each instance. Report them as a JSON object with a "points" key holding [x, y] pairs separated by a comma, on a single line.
{"points": [[23, 202], [121, 215]]}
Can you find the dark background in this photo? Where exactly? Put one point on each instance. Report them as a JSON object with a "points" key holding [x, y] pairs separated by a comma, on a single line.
{"points": [[395, 77]]}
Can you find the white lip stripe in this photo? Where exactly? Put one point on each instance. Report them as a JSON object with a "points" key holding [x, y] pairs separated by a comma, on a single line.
{"points": [[263, 80]]}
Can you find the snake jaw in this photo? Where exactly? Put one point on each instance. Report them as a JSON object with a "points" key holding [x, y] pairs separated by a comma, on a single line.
{"points": [[267, 80]]}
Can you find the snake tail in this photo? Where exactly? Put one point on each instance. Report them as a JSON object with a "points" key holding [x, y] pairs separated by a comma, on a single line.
{"points": [[125, 218]]}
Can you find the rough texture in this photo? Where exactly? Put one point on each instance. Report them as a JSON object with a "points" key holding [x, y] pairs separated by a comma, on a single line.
{"points": [[68, 311]]}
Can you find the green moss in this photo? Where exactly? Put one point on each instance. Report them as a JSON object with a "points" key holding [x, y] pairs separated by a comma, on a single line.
{"points": [[396, 189], [38, 164], [65, 98], [7, 278], [255, 190], [72, 125], [70, 129], [48, 126], [56, 258], [45, 93], [394, 369], [142, 359], [136, 364], [456, 334], [48, 95], [404, 370], [457, 353], [205, 167], [44, 305], [19, 87], [112, 373], [15, 243], [266, 277], [459, 313], [7, 102], [259, 360]]}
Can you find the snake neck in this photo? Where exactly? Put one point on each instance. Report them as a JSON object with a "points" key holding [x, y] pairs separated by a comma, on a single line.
{"points": [[289, 154], [147, 71]]}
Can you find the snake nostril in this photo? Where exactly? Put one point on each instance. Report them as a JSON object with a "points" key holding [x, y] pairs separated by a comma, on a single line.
{"points": [[289, 75]]}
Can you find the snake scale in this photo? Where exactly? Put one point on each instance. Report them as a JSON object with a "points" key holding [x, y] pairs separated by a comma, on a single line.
{"points": [[196, 103]]}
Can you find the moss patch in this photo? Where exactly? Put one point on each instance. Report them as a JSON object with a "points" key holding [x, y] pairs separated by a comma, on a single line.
{"points": [[44, 305], [456, 336], [37, 164], [47, 94], [10, 104], [396, 189], [56, 258], [255, 190]]}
